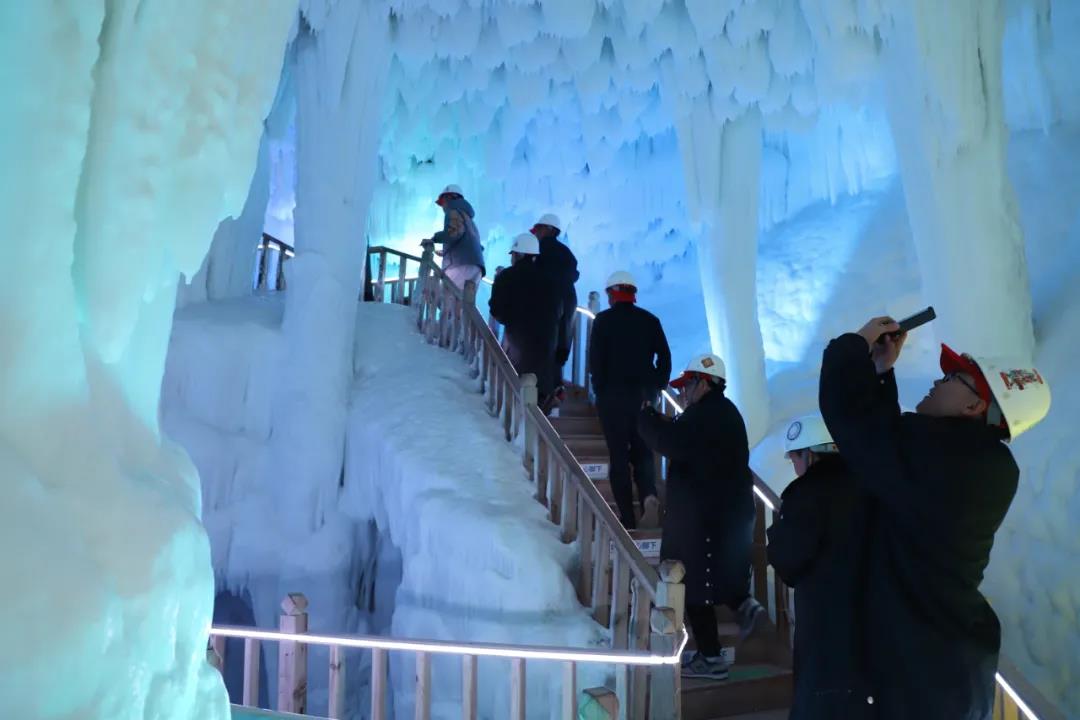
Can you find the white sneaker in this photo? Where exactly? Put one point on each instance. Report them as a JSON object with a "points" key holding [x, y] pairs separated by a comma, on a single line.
{"points": [[650, 513]]}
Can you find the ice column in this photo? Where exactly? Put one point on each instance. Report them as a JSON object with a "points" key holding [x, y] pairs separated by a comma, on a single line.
{"points": [[723, 170], [943, 68], [340, 62], [129, 130]]}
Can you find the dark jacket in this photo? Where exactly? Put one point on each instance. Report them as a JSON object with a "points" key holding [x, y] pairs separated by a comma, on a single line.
{"points": [[628, 352], [558, 261], [816, 546], [459, 237], [528, 306], [710, 502], [941, 488]]}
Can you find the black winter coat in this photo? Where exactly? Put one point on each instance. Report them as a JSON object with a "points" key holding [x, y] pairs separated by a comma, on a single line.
{"points": [[816, 547], [709, 524], [529, 306], [628, 352], [941, 488], [558, 261]]}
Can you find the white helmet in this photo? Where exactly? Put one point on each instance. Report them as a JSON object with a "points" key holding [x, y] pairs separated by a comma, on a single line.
{"points": [[620, 277], [526, 244], [1021, 395], [456, 189], [707, 364], [809, 433], [550, 219]]}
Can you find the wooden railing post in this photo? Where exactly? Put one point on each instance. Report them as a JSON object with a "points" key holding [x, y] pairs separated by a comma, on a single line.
{"points": [[337, 683], [378, 684], [599, 704], [670, 592], [292, 656], [427, 260], [399, 287], [380, 283], [250, 696], [665, 680]]}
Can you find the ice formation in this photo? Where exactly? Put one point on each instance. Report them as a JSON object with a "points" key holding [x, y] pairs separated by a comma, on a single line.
{"points": [[130, 130], [461, 551], [822, 159]]}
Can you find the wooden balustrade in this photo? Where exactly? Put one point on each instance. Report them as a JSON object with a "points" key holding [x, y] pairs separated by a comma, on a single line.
{"points": [[402, 286], [613, 579], [643, 688]]}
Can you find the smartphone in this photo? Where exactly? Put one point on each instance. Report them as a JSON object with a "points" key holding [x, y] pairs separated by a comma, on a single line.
{"points": [[918, 319]]}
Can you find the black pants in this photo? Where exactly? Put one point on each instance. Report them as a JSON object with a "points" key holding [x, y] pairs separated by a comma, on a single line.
{"points": [[618, 417], [702, 622]]}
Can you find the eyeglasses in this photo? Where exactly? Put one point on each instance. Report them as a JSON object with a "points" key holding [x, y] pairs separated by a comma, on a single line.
{"points": [[957, 376]]}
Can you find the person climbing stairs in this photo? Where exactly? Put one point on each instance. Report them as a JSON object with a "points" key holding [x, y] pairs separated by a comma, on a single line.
{"points": [[760, 678]]}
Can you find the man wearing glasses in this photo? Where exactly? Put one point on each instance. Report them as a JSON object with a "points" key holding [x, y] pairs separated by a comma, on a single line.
{"points": [[939, 482]]}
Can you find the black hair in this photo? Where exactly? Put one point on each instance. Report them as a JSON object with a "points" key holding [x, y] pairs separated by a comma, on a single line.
{"points": [[718, 384]]}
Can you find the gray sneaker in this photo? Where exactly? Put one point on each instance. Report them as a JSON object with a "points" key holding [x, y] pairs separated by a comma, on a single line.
{"points": [[748, 615], [705, 668]]}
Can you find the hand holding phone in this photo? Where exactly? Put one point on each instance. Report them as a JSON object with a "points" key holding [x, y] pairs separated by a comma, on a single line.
{"points": [[913, 321]]}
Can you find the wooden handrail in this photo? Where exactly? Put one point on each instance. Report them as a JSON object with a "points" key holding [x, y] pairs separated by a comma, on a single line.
{"points": [[613, 578], [377, 249], [640, 568]]}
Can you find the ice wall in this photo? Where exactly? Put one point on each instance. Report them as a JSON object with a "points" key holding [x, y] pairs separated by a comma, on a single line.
{"points": [[338, 62], [943, 63], [130, 129]]}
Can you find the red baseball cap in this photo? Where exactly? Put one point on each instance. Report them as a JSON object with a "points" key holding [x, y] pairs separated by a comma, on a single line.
{"points": [[952, 361]]}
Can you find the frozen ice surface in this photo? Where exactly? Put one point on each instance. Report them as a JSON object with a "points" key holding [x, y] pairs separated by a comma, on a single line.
{"points": [[129, 131], [424, 461], [481, 560]]}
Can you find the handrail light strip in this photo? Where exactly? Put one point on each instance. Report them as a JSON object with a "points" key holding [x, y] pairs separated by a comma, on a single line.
{"points": [[447, 648], [1028, 712]]}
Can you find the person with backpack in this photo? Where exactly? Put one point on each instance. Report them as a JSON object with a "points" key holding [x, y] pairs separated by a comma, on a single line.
{"points": [[529, 307], [462, 253]]}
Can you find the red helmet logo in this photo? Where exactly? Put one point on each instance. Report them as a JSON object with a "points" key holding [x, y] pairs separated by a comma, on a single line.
{"points": [[1020, 377]]}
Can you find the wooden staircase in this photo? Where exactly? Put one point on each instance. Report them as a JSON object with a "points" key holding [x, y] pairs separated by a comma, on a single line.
{"points": [[761, 678]]}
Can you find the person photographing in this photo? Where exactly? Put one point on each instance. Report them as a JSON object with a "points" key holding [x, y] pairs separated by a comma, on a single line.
{"points": [[938, 482]]}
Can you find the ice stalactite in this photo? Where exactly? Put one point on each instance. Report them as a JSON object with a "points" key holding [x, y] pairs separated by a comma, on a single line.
{"points": [[723, 171], [339, 62], [943, 65], [131, 130]]}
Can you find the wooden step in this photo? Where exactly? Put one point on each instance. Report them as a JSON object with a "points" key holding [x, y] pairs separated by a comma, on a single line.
{"points": [[586, 445], [577, 425], [748, 689]]}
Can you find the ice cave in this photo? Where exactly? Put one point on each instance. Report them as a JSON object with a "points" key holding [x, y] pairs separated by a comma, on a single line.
{"points": [[271, 446]]}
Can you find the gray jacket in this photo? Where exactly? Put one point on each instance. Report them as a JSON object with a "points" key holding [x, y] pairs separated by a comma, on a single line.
{"points": [[459, 237]]}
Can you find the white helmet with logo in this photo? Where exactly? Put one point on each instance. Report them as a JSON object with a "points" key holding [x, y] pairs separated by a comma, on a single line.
{"points": [[708, 364], [620, 277], [550, 219], [809, 433], [1021, 397], [1021, 393], [526, 244]]}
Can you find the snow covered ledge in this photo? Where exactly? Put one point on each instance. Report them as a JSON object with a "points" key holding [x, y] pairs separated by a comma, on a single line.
{"points": [[130, 130], [481, 560]]}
